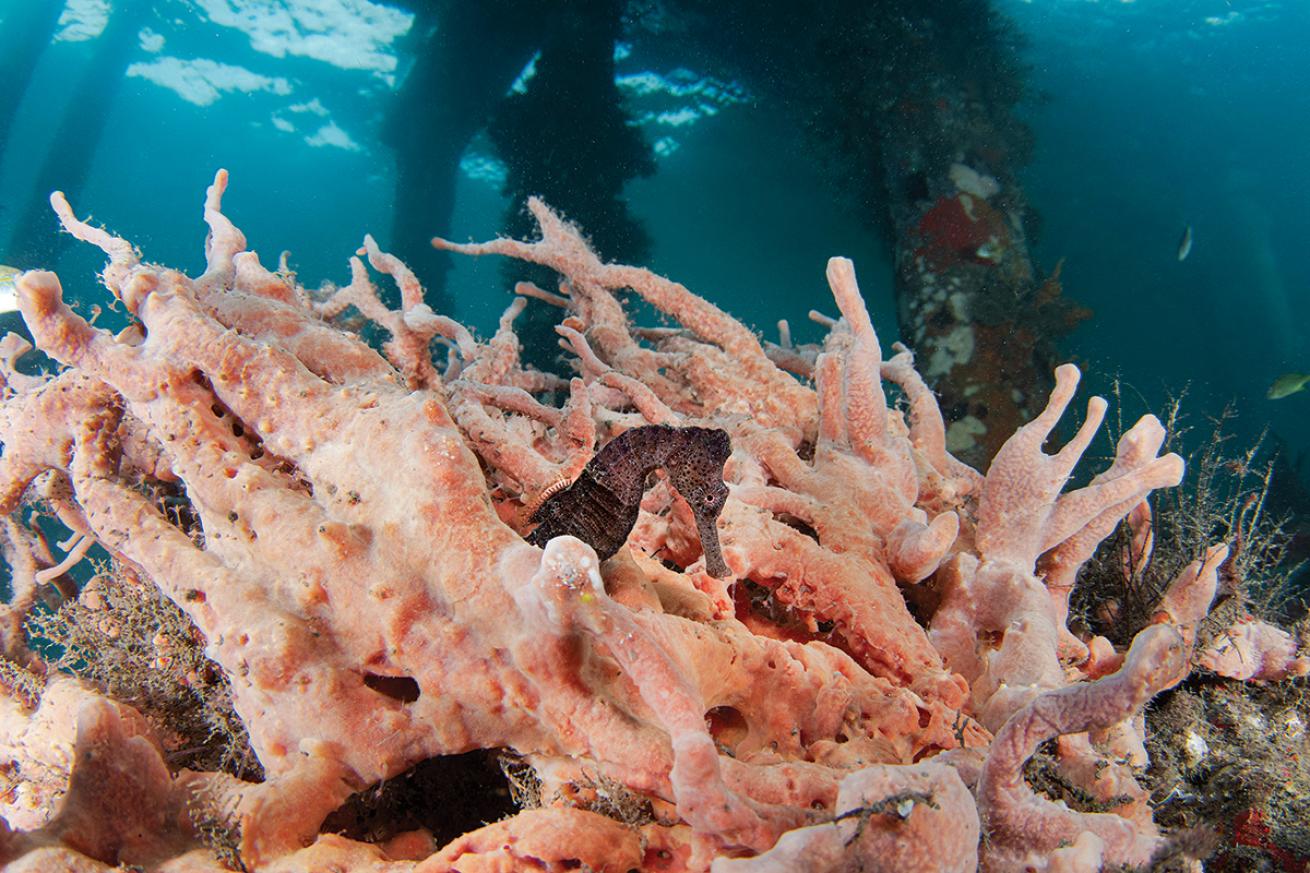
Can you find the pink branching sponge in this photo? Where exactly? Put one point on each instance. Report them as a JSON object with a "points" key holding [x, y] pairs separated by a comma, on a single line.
{"points": [[351, 534]]}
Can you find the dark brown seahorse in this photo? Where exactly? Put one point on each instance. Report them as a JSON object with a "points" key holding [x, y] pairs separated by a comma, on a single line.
{"points": [[600, 507]]}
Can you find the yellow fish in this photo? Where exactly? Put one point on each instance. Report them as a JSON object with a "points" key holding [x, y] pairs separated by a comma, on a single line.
{"points": [[1288, 383], [8, 288]]}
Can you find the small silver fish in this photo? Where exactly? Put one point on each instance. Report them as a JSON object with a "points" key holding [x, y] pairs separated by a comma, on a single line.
{"points": [[1185, 244]]}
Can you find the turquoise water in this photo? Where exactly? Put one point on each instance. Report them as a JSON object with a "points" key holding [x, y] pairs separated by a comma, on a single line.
{"points": [[1147, 117], [1166, 114]]}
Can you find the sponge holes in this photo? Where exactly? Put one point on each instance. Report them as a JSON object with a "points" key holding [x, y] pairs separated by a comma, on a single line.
{"points": [[402, 688]]}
